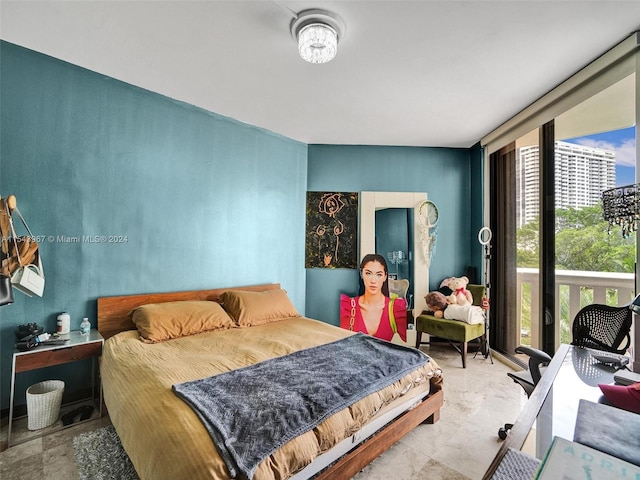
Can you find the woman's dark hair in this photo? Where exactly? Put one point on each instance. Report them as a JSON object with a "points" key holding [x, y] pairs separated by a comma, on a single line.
{"points": [[375, 257]]}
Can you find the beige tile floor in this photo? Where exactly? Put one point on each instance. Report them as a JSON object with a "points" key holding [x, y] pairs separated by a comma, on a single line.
{"points": [[478, 400]]}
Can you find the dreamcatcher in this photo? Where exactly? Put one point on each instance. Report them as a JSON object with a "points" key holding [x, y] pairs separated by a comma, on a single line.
{"points": [[428, 215]]}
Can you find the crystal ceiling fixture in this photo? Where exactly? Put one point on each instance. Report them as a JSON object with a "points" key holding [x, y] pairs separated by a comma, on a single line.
{"points": [[318, 33]]}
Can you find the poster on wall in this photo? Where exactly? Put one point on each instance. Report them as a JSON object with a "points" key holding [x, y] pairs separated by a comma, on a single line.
{"points": [[332, 230]]}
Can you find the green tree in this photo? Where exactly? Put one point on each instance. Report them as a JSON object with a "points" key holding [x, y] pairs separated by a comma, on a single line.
{"points": [[583, 242], [528, 239]]}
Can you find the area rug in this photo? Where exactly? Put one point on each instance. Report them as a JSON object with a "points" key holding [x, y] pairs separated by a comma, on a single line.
{"points": [[100, 455]]}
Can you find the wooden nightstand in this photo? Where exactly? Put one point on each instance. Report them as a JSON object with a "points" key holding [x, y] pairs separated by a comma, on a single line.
{"points": [[79, 347]]}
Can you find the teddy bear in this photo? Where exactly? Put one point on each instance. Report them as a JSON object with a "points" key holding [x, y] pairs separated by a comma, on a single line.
{"points": [[460, 295], [436, 303]]}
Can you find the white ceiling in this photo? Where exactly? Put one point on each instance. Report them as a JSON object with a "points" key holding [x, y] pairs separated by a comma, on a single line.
{"points": [[423, 73]]}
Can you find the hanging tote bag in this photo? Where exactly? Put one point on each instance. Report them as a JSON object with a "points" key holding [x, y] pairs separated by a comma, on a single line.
{"points": [[16, 251], [29, 279], [398, 319], [29, 276], [6, 290]]}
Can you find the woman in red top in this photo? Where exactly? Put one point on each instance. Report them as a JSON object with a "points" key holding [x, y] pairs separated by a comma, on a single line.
{"points": [[374, 312]]}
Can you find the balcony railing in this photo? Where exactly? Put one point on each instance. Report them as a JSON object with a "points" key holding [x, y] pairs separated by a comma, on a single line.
{"points": [[574, 290]]}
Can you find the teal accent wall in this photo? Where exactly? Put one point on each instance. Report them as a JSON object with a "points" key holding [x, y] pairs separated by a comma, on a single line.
{"points": [[452, 179], [199, 200], [194, 200]]}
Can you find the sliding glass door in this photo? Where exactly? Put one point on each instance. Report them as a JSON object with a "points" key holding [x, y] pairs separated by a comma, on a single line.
{"points": [[554, 252], [595, 151]]}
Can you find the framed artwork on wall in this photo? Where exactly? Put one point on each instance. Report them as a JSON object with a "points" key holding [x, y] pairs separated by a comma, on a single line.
{"points": [[332, 230]]}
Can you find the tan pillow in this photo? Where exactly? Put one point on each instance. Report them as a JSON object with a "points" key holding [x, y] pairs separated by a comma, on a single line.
{"points": [[157, 322], [256, 308]]}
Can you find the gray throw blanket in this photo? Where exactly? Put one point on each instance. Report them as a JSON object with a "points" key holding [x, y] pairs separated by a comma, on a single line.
{"points": [[253, 411]]}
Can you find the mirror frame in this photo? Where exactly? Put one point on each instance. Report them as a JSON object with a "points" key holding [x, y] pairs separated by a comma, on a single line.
{"points": [[372, 201]]}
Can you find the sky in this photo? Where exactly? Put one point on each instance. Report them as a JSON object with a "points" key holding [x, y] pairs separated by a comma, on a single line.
{"points": [[623, 142]]}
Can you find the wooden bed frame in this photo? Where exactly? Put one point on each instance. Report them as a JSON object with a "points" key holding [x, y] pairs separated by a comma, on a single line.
{"points": [[114, 316]]}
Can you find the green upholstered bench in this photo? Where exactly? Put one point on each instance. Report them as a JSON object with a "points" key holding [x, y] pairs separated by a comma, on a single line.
{"points": [[452, 330]]}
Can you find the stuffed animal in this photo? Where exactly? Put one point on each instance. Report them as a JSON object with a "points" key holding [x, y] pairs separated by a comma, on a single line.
{"points": [[460, 296], [444, 287], [436, 303], [441, 307]]}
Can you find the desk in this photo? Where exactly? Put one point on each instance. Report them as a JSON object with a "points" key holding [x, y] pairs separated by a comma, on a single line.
{"points": [[553, 406], [79, 347]]}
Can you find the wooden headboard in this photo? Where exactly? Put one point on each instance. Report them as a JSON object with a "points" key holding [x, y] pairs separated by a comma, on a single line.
{"points": [[114, 313]]}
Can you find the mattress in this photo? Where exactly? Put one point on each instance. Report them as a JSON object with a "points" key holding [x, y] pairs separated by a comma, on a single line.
{"points": [[163, 436]]}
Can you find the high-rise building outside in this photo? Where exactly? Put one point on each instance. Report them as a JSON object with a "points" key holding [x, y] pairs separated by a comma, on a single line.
{"points": [[581, 174]]}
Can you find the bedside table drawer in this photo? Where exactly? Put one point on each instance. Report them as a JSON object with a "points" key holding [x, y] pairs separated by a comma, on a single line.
{"points": [[48, 358]]}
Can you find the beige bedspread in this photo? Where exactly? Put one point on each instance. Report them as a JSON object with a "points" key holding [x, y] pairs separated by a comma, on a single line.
{"points": [[164, 437]]}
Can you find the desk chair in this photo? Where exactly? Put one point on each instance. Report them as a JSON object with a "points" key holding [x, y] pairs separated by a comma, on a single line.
{"points": [[538, 361], [596, 326], [527, 379], [603, 327]]}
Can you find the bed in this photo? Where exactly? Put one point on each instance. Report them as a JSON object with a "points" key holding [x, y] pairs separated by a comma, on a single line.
{"points": [[143, 362]]}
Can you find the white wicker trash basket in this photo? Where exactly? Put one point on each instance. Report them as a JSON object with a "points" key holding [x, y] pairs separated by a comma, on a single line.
{"points": [[43, 403]]}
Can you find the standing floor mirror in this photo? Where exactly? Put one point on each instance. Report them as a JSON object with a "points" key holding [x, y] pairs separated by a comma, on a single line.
{"points": [[370, 202]]}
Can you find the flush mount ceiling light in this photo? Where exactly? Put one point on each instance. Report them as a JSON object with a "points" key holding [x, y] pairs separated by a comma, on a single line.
{"points": [[317, 33]]}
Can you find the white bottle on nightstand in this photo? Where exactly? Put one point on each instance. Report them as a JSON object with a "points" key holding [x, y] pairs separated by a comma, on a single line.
{"points": [[64, 323], [85, 326]]}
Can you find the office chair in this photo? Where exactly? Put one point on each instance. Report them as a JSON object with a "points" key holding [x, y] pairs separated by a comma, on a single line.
{"points": [[538, 361], [527, 379], [596, 326], [602, 327]]}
